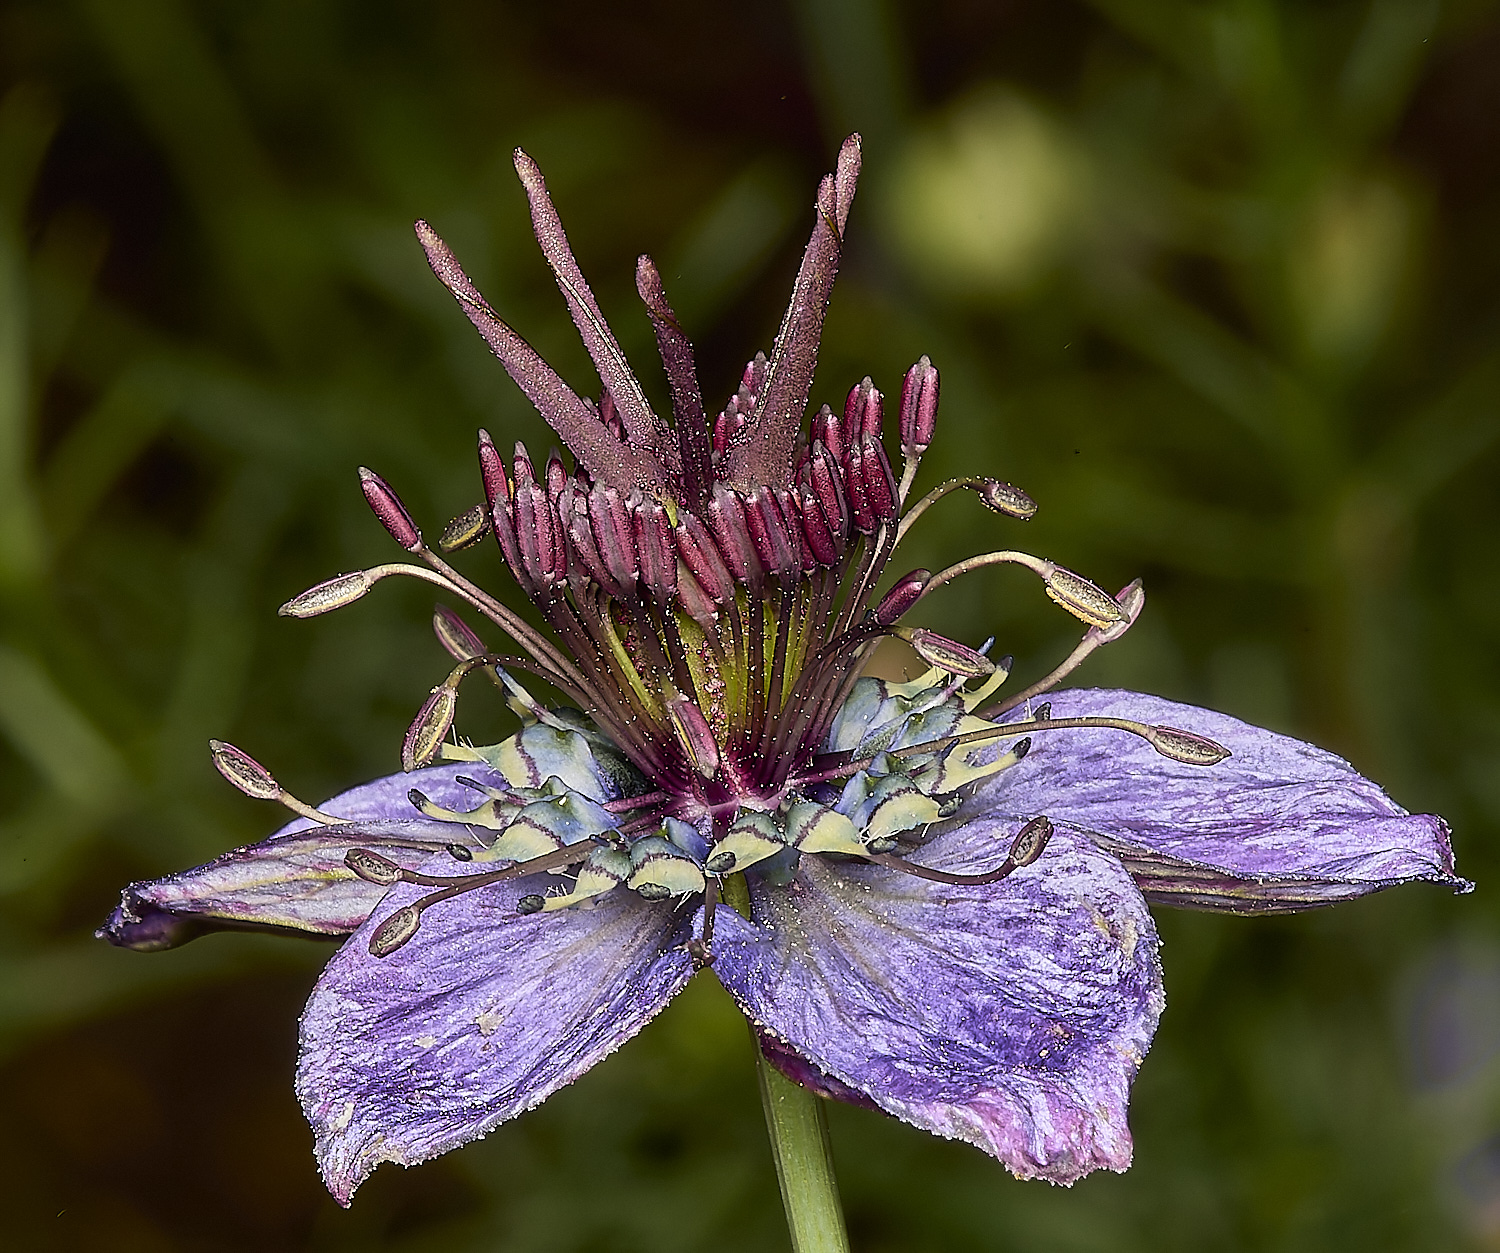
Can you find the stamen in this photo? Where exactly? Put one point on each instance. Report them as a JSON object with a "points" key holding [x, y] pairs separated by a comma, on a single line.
{"points": [[387, 506], [395, 931], [1131, 598], [254, 780], [694, 736], [372, 867], [466, 530], [430, 727], [1000, 497], [1081, 598], [1025, 849], [944, 654], [402, 925], [345, 589], [905, 593], [1173, 743]]}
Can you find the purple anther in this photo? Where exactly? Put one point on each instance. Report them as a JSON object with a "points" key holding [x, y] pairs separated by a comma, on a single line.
{"points": [[700, 607], [521, 467], [789, 501], [815, 531], [455, 635], [537, 533], [557, 474], [768, 532], [919, 405], [726, 522], [578, 537], [879, 481], [829, 429], [860, 508], [502, 513], [906, 592], [492, 471], [863, 411], [694, 735], [701, 556], [388, 508], [613, 535], [825, 478], [653, 537]]}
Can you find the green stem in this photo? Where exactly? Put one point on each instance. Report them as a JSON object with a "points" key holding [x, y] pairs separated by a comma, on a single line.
{"points": [[798, 1129]]}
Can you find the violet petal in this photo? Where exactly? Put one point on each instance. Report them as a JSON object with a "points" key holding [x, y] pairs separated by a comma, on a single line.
{"points": [[480, 1017], [296, 880], [387, 797], [294, 883], [1011, 1015], [1280, 825]]}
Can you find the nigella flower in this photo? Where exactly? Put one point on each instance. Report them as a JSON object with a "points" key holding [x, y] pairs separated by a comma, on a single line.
{"points": [[944, 892]]}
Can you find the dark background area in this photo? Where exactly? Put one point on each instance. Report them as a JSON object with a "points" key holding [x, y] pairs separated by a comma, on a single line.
{"points": [[1215, 281]]}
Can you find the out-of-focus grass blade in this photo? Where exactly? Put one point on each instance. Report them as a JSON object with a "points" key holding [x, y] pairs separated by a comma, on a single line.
{"points": [[27, 121], [44, 725], [104, 443], [732, 239]]}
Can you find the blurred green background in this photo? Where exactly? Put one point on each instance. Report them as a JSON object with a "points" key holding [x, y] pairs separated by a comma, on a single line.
{"points": [[1215, 281]]}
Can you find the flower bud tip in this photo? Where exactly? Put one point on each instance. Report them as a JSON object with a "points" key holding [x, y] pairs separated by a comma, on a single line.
{"points": [[387, 506]]}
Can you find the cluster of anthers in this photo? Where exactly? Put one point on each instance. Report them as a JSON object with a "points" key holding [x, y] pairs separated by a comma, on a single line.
{"points": [[712, 594]]}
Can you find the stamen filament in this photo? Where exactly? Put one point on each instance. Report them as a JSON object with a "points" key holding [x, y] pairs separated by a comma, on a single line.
{"points": [[932, 497], [1153, 735], [1005, 868]]}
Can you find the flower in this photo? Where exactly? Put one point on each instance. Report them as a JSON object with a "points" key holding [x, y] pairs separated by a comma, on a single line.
{"points": [[944, 893]]}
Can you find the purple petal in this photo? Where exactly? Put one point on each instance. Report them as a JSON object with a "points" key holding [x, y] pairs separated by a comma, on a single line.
{"points": [[480, 1017], [296, 880], [296, 883], [387, 798], [1279, 826], [1012, 1015]]}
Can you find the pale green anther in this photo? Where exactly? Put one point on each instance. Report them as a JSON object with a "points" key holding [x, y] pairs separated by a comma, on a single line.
{"points": [[957, 767], [1084, 600], [814, 828], [751, 838], [524, 839], [661, 869], [973, 700], [537, 752], [604, 870], [897, 805], [493, 815]]}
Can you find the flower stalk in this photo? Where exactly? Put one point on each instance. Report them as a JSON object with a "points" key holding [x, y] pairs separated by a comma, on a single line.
{"points": [[797, 1126]]}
